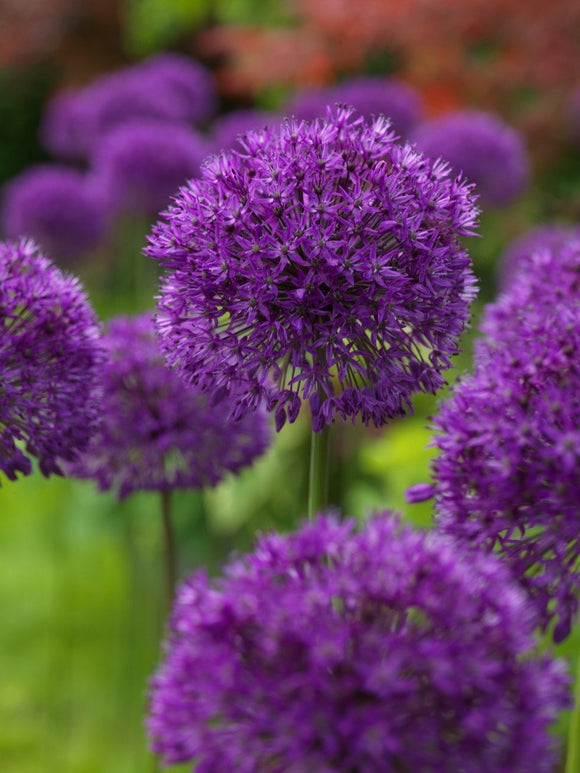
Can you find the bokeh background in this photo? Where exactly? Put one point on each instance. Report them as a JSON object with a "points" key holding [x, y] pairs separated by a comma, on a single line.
{"points": [[81, 576]]}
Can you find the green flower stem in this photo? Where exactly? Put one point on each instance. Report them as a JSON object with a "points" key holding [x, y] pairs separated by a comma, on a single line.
{"points": [[573, 751], [318, 483], [169, 546]]}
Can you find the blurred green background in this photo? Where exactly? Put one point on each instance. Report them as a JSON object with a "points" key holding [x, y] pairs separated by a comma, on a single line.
{"points": [[81, 576]]}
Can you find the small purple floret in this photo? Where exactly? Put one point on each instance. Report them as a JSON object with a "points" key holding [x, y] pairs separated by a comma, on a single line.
{"points": [[337, 650], [50, 359], [157, 432], [322, 264]]}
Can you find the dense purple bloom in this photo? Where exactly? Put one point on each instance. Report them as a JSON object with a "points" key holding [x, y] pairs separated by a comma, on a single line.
{"points": [[50, 359], [228, 128], [158, 432], [506, 477], [489, 152], [58, 207], [141, 163], [324, 264], [516, 257], [331, 650], [371, 97]]}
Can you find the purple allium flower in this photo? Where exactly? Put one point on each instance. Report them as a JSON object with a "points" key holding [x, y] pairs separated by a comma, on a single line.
{"points": [[189, 83], [141, 163], [58, 207], [517, 255], [489, 152], [50, 360], [330, 650], [77, 121], [324, 264], [157, 431], [506, 477], [370, 96], [228, 129]]}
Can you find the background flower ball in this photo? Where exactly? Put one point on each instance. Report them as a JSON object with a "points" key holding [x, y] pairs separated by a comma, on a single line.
{"points": [[50, 360], [157, 432], [332, 650], [321, 263]]}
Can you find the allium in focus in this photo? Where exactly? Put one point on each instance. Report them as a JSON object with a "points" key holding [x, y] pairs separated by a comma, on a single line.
{"points": [[506, 477], [157, 432], [60, 208], [50, 360], [322, 263], [337, 650], [489, 152]]}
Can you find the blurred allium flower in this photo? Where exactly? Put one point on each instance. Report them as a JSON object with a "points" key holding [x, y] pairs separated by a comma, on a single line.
{"points": [[518, 254], [324, 264], [331, 650], [60, 208], [490, 153], [506, 477], [167, 88], [188, 82], [158, 432], [50, 359], [371, 97], [141, 163], [228, 128]]}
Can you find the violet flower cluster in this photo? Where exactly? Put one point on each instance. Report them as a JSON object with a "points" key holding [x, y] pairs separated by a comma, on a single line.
{"points": [[168, 88], [516, 257], [490, 153], [158, 432], [141, 163], [370, 96], [322, 263], [50, 360], [59, 207], [331, 650], [506, 477]]}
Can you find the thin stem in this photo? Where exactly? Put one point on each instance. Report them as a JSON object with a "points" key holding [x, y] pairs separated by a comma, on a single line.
{"points": [[318, 483], [573, 750], [169, 546]]}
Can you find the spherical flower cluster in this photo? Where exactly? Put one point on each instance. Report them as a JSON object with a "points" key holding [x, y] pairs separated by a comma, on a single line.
{"points": [[516, 257], [141, 163], [50, 359], [58, 207], [332, 650], [371, 97], [167, 88], [506, 477], [324, 264], [229, 128], [489, 152], [158, 432]]}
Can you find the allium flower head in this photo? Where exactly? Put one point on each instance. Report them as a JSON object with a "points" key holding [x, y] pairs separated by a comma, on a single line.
{"points": [[490, 153], [141, 163], [58, 207], [187, 82], [50, 358], [322, 263], [516, 258], [331, 650], [77, 121], [506, 477], [371, 97], [158, 432]]}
